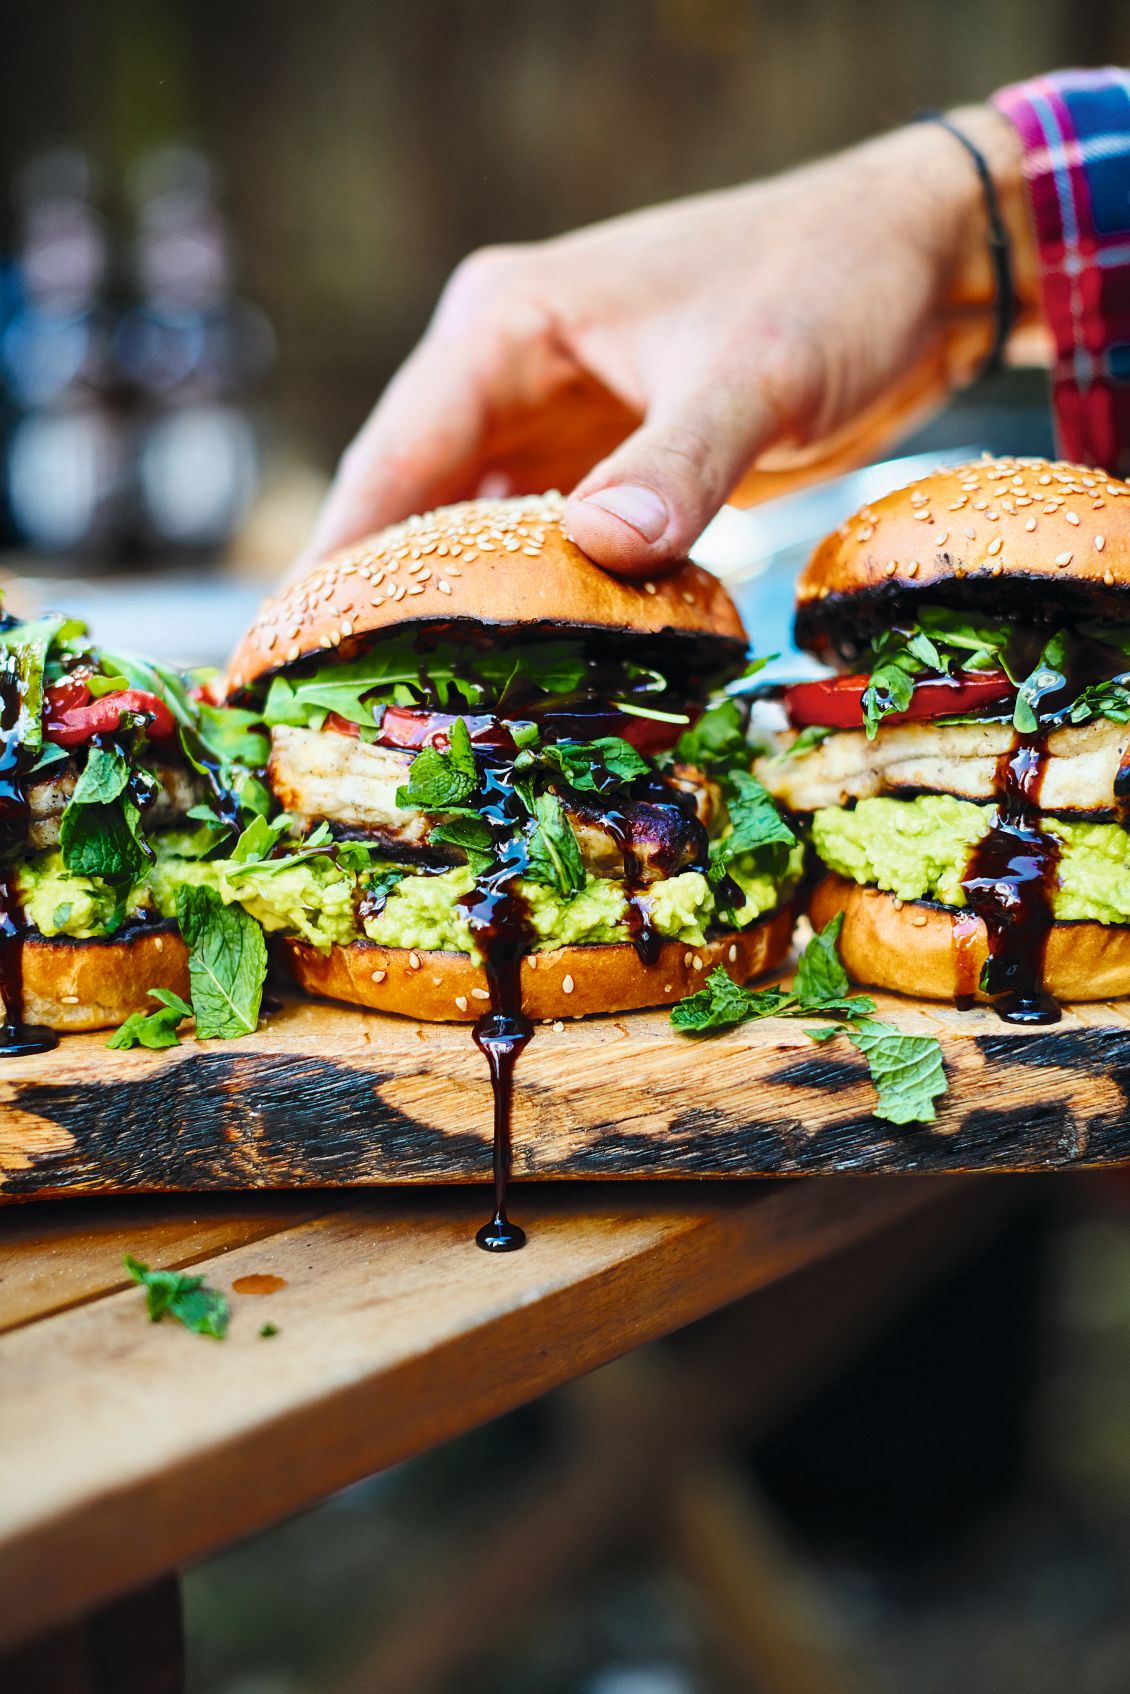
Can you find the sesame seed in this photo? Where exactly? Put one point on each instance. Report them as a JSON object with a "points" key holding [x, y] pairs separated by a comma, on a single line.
{"points": [[1108, 578], [479, 994], [1044, 480], [917, 497], [379, 976], [941, 538], [668, 988], [732, 953], [1072, 517], [461, 1002], [566, 985], [414, 961], [924, 516], [890, 568], [347, 627], [687, 957], [697, 962], [1029, 524], [1100, 543], [444, 587], [558, 1027], [866, 533], [996, 544], [649, 588], [1064, 558], [969, 533], [532, 961], [69, 999], [912, 568], [997, 569]]}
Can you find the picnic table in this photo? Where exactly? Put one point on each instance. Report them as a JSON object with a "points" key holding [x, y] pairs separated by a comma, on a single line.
{"points": [[129, 1450]]}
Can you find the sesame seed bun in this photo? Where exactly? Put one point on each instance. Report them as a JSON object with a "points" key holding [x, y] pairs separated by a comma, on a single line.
{"points": [[995, 533], [913, 947], [568, 982], [79, 985], [495, 562]]}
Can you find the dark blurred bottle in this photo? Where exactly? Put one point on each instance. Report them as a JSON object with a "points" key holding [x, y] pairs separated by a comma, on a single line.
{"points": [[194, 355], [66, 448]]}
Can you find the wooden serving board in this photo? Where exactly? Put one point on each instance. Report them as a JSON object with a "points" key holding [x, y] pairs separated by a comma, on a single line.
{"points": [[324, 1095]]}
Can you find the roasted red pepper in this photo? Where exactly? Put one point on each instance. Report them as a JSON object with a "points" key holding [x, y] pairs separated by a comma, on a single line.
{"points": [[73, 717]]}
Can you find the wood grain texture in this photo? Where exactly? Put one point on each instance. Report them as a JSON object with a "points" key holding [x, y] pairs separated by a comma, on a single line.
{"points": [[128, 1448], [324, 1095]]}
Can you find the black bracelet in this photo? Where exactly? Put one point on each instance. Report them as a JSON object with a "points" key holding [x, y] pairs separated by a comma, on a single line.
{"points": [[1000, 248]]}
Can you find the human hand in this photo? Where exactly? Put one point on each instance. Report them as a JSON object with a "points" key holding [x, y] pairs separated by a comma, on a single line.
{"points": [[649, 362]]}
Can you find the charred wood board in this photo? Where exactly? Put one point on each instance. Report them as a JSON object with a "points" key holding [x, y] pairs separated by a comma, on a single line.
{"points": [[324, 1095]]}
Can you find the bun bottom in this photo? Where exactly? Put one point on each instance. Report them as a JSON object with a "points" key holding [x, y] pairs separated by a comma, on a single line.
{"points": [[568, 982], [73, 986], [913, 947]]}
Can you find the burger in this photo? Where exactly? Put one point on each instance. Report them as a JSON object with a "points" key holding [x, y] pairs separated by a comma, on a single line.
{"points": [[509, 779], [964, 773], [92, 772]]}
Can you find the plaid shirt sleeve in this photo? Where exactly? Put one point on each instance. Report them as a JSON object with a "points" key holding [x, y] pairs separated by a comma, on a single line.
{"points": [[1075, 130]]}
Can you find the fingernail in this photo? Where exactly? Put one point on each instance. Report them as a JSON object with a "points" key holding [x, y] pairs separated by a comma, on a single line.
{"points": [[640, 508]]}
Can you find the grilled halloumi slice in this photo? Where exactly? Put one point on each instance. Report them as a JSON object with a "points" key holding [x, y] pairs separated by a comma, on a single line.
{"points": [[961, 759], [178, 789]]}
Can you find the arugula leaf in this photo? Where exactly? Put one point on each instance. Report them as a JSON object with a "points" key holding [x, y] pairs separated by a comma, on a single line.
{"points": [[757, 828], [188, 1299], [153, 1029], [591, 767], [811, 736], [1047, 678], [227, 963], [393, 673], [1103, 700], [554, 856], [907, 1070], [718, 738], [940, 642], [51, 755], [438, 781], [27, 647]]}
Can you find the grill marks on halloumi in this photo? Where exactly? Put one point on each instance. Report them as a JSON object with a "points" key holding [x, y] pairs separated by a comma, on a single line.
{"points": [[959, 759], [47, 800], [351, 784]]}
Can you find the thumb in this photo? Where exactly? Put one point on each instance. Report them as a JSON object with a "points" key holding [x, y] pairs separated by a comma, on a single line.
{"points": [[641, 509]]}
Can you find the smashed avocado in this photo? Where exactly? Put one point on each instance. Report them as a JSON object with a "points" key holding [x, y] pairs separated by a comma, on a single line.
{"points": [[57, 903], [919, 849]]}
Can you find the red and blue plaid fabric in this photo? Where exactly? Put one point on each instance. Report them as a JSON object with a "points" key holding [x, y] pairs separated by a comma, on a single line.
{"points": [[1075, 129]]}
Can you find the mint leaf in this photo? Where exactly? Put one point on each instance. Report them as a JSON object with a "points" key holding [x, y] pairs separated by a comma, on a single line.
{"points": [[593, 767], [1103, 700], [153, 1029], [472, 834], [103, 840], [188, 1299], [819, 974], [103, 777], [907, 1071], [437, 780], [555, 858], [227, 963], [723, 1003], [757, 828], [718, 738]]}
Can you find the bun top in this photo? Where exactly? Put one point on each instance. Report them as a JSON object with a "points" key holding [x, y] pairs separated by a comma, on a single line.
{"points": [[502, 563], [1020, 536]]}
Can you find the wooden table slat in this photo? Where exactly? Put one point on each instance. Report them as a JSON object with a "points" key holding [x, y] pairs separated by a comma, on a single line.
{"points": [[127, 1448]]}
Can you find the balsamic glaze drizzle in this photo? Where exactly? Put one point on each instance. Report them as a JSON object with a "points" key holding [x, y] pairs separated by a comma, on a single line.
{"points": [[1008, 884]]}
